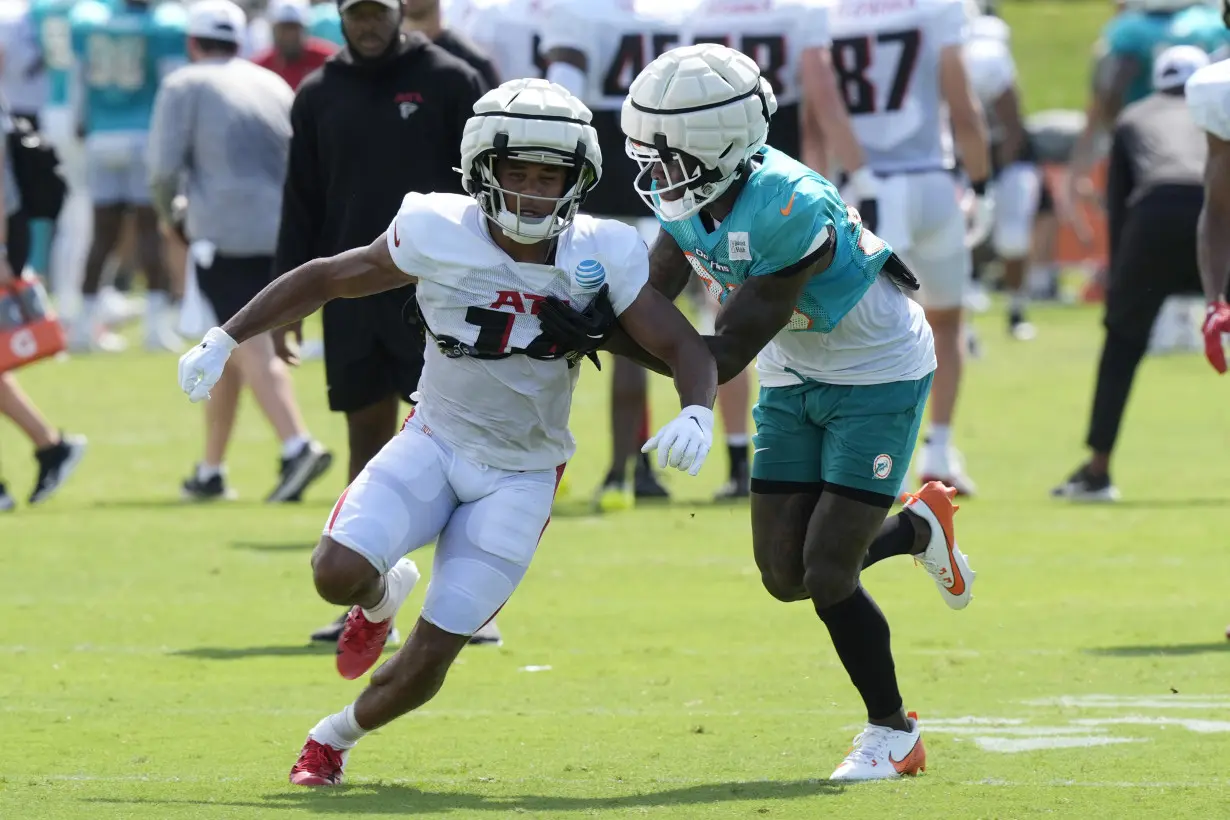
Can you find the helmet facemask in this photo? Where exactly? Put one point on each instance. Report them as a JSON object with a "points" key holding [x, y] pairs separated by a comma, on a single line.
{"points": [[697, 187]]}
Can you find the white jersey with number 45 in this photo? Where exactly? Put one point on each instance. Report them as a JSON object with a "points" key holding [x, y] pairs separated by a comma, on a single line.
{"points": [[1208, 98], [509, 412], [886, 57]]}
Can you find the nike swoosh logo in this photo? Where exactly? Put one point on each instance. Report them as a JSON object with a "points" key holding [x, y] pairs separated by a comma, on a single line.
{"points": [[789, 207], [396, 239], [912, 762], [759, 450]]}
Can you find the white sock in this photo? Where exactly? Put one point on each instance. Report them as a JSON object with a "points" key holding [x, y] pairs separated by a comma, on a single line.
{"points": [[737, 440], [341, 731], [1018, 301], [156, 302], [396, 586], [939, 436], [88, 316], [292, 445], [204, 472]]}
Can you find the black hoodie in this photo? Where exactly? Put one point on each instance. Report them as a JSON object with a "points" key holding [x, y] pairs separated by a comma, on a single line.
{"points": [[367, 132]]}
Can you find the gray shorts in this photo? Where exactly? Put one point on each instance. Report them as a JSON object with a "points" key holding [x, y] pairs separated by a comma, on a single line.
{"points": [[115, 167]]}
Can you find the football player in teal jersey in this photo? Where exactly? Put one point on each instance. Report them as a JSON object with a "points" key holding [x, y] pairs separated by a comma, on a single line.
{"points": [[844, 356], [123, 49]]}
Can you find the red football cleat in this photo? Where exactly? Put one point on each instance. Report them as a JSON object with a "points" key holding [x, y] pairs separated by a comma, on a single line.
{"points": [[318, 765], [360, 644]]}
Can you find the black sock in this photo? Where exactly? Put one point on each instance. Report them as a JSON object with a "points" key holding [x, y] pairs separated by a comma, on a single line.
{"points": [[896, 538], [643, 466], [738, 459], [861, 637]]}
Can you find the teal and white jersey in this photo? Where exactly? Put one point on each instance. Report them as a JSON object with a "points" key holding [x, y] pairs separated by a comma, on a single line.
{"points": [[49, 19], [123, 52], [851, 325], [1141, 36], [327, 23]]}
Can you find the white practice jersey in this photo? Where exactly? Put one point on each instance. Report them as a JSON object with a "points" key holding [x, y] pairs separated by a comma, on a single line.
{"points": [[774, 33], [507, 30], [989, 64], [886, 56], [510, 412], [24, 83], [1208, 98]]}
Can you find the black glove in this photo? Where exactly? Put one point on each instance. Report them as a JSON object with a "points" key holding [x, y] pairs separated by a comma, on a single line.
{"points": [[580, 333]]}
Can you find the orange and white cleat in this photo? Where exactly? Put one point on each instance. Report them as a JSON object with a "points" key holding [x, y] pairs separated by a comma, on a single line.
{"points": [[318, 765], [942, 559], [881, 753]]}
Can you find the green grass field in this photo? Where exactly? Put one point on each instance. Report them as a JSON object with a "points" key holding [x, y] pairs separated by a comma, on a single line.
{"points": [[154, 661]]}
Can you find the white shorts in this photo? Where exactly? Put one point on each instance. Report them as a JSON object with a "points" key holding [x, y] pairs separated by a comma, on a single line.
{"points": [[1016, 190], [486, 522], [115, 167], [919, 216]]}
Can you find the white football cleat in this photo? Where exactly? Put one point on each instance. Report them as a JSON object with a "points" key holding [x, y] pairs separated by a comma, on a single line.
{"points": [[880, 753], [942, 559]]}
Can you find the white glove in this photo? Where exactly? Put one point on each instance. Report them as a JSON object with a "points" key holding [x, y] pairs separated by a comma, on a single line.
{"points": [[979, 217], [201, 367], [685, 441]]}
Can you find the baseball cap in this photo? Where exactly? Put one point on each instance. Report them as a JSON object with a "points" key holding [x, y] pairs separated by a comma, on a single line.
{"points": [[290, 11], [1175, 65], [342, 5], [217, 20]]}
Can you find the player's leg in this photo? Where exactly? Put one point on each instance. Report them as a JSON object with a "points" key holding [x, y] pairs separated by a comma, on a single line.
{"points": [[1016, 202], [629, 406], [1042, 280], [108, 217], [942, 263], [481, 557], [400, 501], [158, 333], [208, 479], [57, 455], [1155, 257]]}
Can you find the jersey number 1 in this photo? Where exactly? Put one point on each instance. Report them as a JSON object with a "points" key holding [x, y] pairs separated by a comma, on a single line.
{"points": [[853, 59], [495, 329]]}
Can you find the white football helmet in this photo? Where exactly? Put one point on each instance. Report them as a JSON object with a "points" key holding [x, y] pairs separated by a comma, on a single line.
{"points": [[533, 121], [697, 113]]}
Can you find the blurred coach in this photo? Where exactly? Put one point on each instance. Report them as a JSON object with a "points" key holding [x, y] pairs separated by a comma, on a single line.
{"points": [[221, 127]]}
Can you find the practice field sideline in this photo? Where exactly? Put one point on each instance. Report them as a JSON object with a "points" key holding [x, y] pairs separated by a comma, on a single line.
{"points": [[153, 661]]}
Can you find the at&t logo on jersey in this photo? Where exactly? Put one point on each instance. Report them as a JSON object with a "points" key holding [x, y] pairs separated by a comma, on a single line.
{"points": [[589, 275]]}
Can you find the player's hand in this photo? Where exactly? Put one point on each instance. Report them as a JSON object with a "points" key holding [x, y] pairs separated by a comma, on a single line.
{"points": [[979, 211], [286, 342], [862, 190], [201, 367], [685, 441], [578, 331], [1216, 322]]}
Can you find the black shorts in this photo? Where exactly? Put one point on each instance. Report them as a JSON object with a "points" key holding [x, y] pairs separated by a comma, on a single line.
{"points": [[1046, 200], [231, 282], [1154, 258], [371, 350]]}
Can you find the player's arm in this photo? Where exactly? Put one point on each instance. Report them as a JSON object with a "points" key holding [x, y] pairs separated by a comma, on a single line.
{"points": [[825, 119], [1213, 239], [1112, 74], [1007, 111], [302, 291], [564, 33], [657, 327], [669, 269], [965, 112]]}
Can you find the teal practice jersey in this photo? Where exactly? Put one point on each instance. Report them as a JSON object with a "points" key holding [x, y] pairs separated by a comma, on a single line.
{"points": [[123, 52], [49, 19], [783, 214], [1141, 36], [327, 23]]}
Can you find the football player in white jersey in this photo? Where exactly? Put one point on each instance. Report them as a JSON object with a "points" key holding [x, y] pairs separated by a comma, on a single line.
{"points": [[507, 30], [476, 465], [1208, 98], [899, 66], [1017, 185], [597, 47]]}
